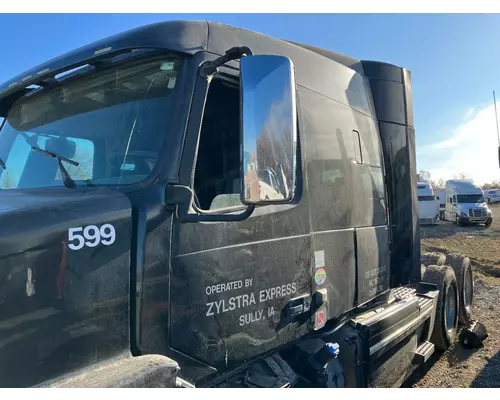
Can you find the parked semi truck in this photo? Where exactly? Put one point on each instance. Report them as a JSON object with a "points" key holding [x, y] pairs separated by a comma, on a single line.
{"points": [[428, 204], [138, 247], [492, 195], [465, 203]]}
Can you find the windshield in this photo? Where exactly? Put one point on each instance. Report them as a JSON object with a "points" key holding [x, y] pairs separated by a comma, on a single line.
{"points": [[111, 123], [426, 198], [470, 198]]}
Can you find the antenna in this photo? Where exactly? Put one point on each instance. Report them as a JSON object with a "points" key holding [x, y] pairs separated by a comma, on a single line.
{"points": [[498, 132]]}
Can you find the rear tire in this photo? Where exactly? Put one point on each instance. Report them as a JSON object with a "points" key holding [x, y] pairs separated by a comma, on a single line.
{"points": [[422, 270], [446, 319], [433, 258], [465, 281]]}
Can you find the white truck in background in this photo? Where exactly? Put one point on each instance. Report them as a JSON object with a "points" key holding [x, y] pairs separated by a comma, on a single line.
{"points": [[492, 196], [465, 203], [441, 196], [428, 205]]}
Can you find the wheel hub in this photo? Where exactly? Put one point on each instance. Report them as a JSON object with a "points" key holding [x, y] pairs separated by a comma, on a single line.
{"points": [[468, 290], [451, 309]]}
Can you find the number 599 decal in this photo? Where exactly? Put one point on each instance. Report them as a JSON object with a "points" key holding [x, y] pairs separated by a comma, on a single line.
{"points": [[91, 236]]}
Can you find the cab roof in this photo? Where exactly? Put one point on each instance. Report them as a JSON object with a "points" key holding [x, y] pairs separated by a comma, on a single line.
{"points": [[187, 37]]}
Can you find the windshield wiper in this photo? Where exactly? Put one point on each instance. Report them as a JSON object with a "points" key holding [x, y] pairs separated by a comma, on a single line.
{"points": [[2, 164], [67, 180]]}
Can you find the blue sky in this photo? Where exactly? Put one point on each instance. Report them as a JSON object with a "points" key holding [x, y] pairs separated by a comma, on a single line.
{"points": [[453, 59]]}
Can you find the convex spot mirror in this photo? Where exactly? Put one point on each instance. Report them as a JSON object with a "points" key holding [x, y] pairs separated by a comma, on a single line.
{"points": [[268, 130]]}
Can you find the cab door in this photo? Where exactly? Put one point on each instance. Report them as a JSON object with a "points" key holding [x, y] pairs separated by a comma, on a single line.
{"points": [[453, 208], [238, 288]]}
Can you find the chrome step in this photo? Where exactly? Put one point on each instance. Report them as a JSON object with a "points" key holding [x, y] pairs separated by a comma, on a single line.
{"points": [[423, 352]]}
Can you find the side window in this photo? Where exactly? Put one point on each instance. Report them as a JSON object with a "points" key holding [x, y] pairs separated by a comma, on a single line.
{"points": [[217, 174], [454, 199]]}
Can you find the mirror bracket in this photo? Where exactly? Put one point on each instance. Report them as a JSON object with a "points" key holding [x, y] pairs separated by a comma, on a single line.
{"points": [[235, 53], [181, 197]]}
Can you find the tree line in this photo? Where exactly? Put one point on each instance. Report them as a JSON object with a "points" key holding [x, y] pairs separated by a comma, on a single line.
{"points": [[440, 183]]}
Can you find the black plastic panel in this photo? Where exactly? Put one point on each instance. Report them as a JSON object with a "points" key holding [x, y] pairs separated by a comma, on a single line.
{"points": [[337, 250], [388, 97], [403, 204], [373, 262], [380, 70], [391, 88], [61, 309]]}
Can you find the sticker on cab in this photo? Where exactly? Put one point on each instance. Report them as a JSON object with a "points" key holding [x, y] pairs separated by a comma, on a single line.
{"points": [[319, 259], [320, 276], [320, 319]]}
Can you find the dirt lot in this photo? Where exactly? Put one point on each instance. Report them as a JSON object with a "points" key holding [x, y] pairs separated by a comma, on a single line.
{"points": [[458, 367]]}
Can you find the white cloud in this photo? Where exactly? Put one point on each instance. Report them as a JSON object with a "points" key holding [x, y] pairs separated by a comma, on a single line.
{"points": [[470, 112], [471, 148]]}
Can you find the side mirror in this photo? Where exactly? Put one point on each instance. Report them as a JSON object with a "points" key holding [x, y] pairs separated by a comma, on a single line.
{"points": [[268, 157]]}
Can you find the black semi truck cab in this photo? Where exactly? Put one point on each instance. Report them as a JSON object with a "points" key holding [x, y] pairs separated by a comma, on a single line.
{"points": [[194, 204]]}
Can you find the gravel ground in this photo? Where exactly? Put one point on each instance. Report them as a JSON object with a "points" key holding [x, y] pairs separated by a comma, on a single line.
{"points": [[458, 367]]}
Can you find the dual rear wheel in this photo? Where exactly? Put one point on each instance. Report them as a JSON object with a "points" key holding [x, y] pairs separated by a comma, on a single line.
{"points": [[452, 274]]}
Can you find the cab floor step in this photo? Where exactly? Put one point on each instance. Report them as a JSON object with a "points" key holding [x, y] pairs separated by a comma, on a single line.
{"points": [[424, 352]]}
